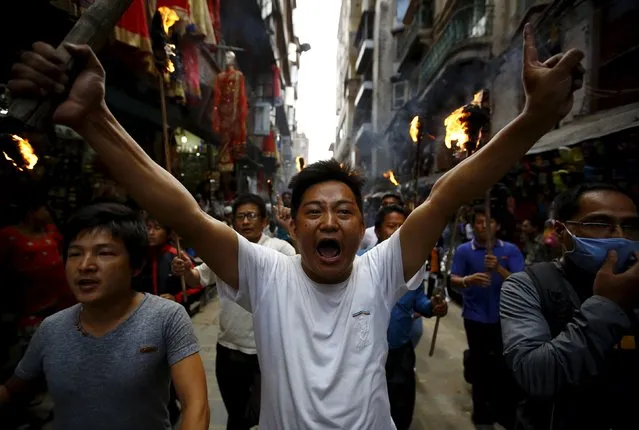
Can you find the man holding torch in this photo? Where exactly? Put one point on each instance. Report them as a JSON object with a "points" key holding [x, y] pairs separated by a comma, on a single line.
{"points": [[321, 317]]}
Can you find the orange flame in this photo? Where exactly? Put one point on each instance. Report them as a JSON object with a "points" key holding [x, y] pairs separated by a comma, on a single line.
{"points": [[413, 131], [26, 151], [390, 175], [299, 163], [169, 18], [457, 124]]}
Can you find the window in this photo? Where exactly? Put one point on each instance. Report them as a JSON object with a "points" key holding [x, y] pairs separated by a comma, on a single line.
{"points": [[264, 86], [402, 7], [262, 124], [399, 94]]}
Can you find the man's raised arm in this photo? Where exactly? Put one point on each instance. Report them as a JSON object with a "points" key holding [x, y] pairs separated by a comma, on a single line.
{"points": [[549, 90], [41, 73]]}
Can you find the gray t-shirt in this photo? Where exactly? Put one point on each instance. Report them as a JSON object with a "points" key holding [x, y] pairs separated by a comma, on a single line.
{"points": [[119, 381]]}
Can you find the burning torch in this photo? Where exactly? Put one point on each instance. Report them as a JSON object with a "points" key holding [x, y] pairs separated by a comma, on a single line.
{"points": [[416, 134], [464, 131], [163, 52]]}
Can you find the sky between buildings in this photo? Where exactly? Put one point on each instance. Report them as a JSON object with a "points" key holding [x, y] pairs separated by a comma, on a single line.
{"points": [[316, 23]]}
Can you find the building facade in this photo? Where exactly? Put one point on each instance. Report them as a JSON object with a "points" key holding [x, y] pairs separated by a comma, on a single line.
{"points": [[269, 58]]}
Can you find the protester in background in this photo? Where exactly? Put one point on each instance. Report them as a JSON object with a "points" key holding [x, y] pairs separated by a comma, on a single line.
{"points": [[480, 274], [400, 362], [534, 247], [370, 238], [108, 360], [33, 280], [320, 318], [156, 277], [236, 367], [569, 326]]}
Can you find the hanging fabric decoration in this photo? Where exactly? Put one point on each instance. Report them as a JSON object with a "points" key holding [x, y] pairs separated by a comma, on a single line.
{"points": [[191, 59], [202, 17], [230, 110], [268, 145], [277, 87], [214, 9], [133, 27]]}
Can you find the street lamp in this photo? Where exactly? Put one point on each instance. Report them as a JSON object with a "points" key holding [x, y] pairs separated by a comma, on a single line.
{"points": [[304, 47]]}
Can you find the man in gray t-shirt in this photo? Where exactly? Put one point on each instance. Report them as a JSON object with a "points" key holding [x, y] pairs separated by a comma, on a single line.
{"points": [[117, 381], [109, 360]]}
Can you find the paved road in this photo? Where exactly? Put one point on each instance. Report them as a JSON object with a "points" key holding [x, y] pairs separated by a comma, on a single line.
{"points": [[443, 400]]}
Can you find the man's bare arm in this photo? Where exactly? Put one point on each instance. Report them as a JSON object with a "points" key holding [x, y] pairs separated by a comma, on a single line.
{"points": [[189, 379], [549, 87], [158, 192]]}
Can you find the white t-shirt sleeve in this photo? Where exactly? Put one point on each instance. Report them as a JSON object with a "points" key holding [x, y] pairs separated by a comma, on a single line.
{"points": [[386, 265], [207, 277], [285, 248], [257, 266]]}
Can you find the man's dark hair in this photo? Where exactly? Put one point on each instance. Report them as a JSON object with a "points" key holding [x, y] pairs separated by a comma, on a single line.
{"points": [[324, 171], [478, 210], [287, 193], [566, 204], [385, 211], [394, 196], [254, 199], [120, 221], [148, 218]]}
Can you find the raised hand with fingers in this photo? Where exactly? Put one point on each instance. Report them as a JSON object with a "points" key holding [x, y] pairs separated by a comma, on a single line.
{"points": [[42, 72], [550, 85], [621, 288], [283, 214]]}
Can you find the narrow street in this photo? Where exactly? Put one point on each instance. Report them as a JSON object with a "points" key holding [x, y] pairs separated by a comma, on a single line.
{"points": [[443, 400]]}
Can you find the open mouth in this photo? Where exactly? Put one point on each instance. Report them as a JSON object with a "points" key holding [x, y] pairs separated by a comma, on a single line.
{"points": [[329, 250], [87, 284]]}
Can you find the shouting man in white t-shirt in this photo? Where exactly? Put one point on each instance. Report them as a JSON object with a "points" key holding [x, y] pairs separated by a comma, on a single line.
{"points": [[320, 318], [236, 366]]}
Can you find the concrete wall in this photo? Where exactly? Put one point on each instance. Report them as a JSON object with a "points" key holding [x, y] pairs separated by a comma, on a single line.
{"points": [[575, 32], [383, 69]]}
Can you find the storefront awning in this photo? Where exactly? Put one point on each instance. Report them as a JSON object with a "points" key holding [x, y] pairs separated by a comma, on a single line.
{"points": [[589, 127]]}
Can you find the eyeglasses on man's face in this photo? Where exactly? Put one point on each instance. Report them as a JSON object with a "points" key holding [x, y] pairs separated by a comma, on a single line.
{"points": [[603, 227], [251, 216]]}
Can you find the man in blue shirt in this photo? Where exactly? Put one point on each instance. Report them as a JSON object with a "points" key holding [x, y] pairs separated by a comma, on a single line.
{"points": [[480, 276], [400, 364]]}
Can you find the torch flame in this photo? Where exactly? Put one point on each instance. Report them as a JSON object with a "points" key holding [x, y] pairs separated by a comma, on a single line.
{"points": [[26, 151], [390, 175], [457, 125], [169, 18], [299, 163], [413, 131]]}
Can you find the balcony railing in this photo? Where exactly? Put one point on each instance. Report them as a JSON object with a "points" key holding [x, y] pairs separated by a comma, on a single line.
{"points": [[422, 19], [471, 24]]}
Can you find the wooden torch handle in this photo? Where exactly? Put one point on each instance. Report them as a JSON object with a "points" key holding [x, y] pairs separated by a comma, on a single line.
{"points": [[92, 28]]}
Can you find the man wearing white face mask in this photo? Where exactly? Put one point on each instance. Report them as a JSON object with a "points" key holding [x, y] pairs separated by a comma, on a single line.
{"points": [[569, 326]]}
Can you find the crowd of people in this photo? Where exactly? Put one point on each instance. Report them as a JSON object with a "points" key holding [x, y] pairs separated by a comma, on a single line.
{"points": [[313, 336]]}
